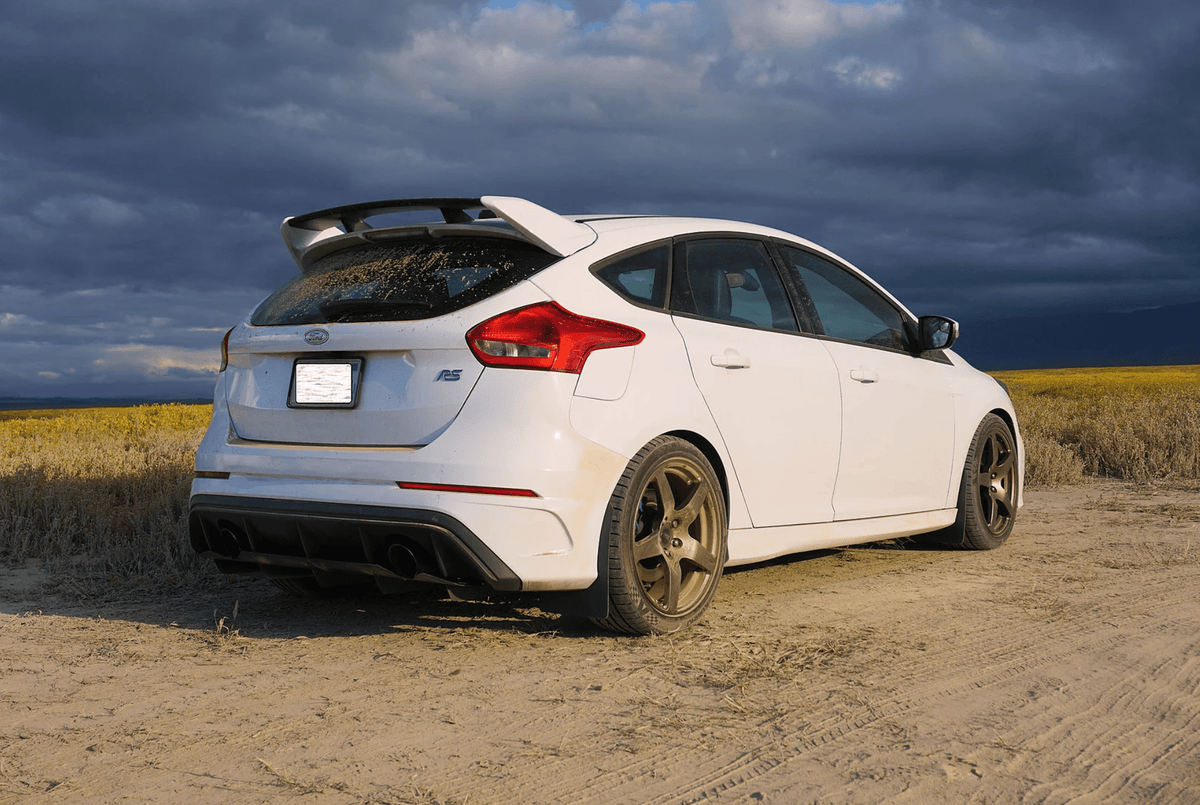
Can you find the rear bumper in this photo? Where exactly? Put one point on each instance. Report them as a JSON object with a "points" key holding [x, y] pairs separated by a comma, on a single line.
{"points": [[548, 542], [336, 541]]}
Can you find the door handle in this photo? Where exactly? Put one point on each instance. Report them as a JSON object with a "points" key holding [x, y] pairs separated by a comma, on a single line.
{"points": [[730, 359], [864, 375]]}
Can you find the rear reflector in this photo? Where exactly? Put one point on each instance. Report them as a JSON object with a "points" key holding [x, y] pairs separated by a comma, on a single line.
{"points": [[474, 490], [546, 336]]}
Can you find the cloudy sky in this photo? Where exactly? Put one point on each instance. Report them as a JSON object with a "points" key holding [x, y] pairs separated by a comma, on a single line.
{"points": [[981, 158]]}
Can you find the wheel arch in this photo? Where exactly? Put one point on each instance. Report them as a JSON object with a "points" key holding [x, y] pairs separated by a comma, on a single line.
{"points": [[1012, 426], [714, 458], [1009, 420], [593, 602], [1018, 445]]}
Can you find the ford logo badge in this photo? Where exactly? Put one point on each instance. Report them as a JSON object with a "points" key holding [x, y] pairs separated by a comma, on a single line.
{"points": [[316, 337]]}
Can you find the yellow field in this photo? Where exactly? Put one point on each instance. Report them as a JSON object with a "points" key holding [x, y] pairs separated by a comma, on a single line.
{"points": [[1079, 383], [1134, 423], [40, 413], [101, 490]]}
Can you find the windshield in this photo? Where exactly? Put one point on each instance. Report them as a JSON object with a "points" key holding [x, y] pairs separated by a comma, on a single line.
{"points": [[414, 278]]}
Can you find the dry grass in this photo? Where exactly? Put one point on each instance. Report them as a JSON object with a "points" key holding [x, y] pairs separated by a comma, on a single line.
{"points": [[1131, 423], [102, 491]]}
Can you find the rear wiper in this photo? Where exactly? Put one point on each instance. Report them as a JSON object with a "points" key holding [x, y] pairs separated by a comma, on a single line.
{"points": [[339, 307]]}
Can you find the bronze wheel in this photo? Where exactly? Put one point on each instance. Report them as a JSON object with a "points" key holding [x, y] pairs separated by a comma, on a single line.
{"points": [[667, 533], [988, 500]]}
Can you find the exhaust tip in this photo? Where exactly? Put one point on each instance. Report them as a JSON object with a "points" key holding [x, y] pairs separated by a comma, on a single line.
{"points": [[402, 560], [227, 543]]}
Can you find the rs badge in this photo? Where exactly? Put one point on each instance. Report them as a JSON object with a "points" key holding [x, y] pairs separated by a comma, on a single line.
{"points": [[448, 374]]}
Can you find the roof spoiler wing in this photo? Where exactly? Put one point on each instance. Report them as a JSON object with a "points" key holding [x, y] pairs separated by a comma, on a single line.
{"points": [[546, 228]]}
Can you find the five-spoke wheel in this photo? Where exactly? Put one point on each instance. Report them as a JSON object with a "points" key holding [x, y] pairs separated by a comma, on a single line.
{"points": [[988, 500], [667, 531]]}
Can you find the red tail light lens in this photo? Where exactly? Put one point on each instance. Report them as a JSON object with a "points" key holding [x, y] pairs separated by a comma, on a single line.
{"points": [[225, 350], [546, 336]]}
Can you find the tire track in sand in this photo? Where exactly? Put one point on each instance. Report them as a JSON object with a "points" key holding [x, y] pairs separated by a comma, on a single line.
{"points": [[968, 660]]}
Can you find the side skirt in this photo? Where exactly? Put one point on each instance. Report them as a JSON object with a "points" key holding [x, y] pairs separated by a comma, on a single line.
{"points": [[747, 545]]}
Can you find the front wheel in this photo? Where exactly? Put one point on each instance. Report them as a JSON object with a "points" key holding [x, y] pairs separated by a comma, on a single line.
{"points": [[667, 532], [987, 501]]}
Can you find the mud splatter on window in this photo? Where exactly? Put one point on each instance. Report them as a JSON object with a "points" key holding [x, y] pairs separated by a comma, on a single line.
{"points": [[414, 278]]}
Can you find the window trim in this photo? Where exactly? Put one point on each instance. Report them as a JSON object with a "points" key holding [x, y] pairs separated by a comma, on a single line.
{"points": [[803, 310], [802, 304]]}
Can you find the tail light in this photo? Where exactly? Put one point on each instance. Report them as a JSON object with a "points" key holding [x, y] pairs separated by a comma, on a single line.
{"points": [[225, 350], [546, 336]]}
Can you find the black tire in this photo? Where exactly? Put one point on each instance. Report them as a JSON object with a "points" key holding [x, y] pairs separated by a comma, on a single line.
{"points": [[987, 499], [667, 532]]}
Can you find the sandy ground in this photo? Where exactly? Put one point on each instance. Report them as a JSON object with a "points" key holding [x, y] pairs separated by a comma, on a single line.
{"points": [[1062, 668]]}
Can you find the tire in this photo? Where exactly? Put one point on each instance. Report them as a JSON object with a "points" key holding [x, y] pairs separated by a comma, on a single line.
{"points": [[667, 532], [987, 499]]}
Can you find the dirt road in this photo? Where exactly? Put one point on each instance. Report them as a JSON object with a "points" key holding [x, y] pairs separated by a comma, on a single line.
{"points": [[1064, 667]]}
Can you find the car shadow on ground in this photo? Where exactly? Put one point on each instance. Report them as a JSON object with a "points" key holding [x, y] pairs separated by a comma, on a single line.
{"points": [[258, 610]]}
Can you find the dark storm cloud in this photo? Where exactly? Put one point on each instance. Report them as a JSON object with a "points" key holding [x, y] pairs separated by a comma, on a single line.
{"points": [[1000, 153], [980, 158], [165, 114]]}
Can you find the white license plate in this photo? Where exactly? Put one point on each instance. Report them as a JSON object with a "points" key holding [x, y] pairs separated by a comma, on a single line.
{"points": [[324, 383]]}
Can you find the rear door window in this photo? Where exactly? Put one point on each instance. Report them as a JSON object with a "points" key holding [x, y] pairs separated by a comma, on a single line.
{"points": [[731, 280], [398, 280]]}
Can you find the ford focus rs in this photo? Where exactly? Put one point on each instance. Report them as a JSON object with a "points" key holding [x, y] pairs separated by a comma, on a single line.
{"points": [[605, 411]]}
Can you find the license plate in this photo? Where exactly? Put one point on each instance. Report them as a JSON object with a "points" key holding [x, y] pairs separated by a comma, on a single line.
{"points": [[325, 383]]}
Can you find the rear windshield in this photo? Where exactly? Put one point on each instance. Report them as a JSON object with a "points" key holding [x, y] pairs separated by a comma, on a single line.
{"points": [[399, 280]]}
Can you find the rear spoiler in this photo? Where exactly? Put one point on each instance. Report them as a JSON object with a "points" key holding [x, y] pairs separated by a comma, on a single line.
{"points": [[547, 229]]}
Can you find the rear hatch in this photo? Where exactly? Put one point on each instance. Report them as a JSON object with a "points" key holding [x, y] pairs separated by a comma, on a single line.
{"points": [[367, 346]]}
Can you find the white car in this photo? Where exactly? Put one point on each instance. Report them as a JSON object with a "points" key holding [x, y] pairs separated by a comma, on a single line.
{"points": [[604, 410]]}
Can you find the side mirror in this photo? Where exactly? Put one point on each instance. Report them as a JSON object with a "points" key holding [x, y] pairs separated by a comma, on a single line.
{"points": [[937, 332]]}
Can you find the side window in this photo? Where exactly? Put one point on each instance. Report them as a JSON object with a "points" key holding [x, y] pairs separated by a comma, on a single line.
{"points": [[731, 280], [640, 277], [848, 308]]}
